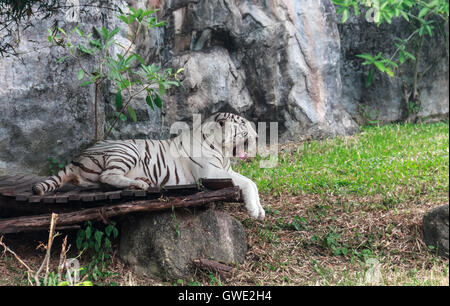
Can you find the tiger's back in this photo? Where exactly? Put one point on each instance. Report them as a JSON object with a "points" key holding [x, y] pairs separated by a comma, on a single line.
{"points": [[125, 163]]}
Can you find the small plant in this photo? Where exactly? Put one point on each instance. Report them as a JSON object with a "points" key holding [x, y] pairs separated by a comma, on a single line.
{"points": [[331, 241], [54, 166], [424, 18], [130, 74], [98, 243]]}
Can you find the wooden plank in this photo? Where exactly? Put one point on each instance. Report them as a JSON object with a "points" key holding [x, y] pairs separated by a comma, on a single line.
{"points": [[87, 197], [99, 196], [128, 192], [75, 196], [114, 195], [51, 198], [181, 187], [35, 199], [24, 196], [61, 198], [153, 191]]}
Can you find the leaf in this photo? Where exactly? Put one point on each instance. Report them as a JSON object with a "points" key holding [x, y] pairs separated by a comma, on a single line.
{"points": [[369, 78], [62, 31], [380, 66], [410, 55], [79, 242], [80, 74], [158, 101], [401, 57], [79, 32], [149, 101], [115, 232], [61, 59], [132, 114], [114, 32], [88, 232], [162, 90], [119, 100], [86, 83], [345, 15], [84, 49], [98, 236], [108, 230], [122, 117], [423, 12]]}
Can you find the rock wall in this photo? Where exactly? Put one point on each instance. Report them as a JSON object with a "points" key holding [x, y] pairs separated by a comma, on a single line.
{"points": [[267, 60], [43, 110], [383, 101]]}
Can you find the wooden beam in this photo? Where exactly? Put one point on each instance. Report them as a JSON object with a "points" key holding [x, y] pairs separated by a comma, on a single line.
{"points": [[42, 222]]}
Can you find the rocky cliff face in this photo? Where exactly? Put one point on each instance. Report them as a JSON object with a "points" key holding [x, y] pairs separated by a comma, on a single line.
{"points": [[384, 99], [43, 110], [267, 60]]}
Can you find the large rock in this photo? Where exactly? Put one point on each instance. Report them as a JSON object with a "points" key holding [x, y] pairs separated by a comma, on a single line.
{"points": [[436, 229], [384, 99], [164, 245]]}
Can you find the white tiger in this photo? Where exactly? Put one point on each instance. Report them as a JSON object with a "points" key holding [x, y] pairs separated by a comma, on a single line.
{"points": [[145, 163]]}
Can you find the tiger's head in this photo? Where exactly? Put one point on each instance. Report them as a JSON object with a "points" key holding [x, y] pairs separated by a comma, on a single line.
{"points": [[233, 133]]}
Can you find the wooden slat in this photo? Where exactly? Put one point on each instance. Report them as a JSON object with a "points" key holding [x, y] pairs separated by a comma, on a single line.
{"points": [[35, 199], [153, 190], [87, 197], [75, 196], [114, 195], [215, 184], [181, 187], [23, 197], [51, 198], [127, 193], [62, 198], [100, 196]]}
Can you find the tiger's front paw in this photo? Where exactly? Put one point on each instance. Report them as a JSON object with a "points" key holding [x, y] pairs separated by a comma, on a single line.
{"points": [[255, 210], [140, 184]]}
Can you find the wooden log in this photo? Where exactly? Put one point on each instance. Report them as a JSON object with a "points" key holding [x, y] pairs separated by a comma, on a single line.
{"points": [[42, 222], [223, 270]]}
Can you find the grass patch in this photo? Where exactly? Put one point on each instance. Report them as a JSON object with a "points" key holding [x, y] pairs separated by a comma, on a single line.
{"points": [[395, 161]]}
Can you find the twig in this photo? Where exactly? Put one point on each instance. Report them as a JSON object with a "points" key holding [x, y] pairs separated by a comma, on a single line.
{"points": [[62, 259], [46, 260], [7, 249], [214, 266]]}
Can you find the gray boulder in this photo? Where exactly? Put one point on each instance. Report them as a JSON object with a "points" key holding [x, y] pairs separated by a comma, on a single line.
{"points": [[436, 229], [164, 245]]}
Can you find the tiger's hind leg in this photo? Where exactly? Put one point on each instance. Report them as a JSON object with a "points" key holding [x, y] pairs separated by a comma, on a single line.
{"points": [[117, 178]]}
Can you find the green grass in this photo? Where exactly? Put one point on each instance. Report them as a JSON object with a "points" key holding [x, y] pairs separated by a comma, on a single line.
{"points": [[397, 160]]}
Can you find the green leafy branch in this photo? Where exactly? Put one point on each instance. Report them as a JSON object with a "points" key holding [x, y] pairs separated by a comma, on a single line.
{"points": [[418, 13], [126, 70]]}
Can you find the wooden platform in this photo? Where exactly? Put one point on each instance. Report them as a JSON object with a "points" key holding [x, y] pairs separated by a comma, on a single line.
{"points": [[22, 211], [19, 188]]}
